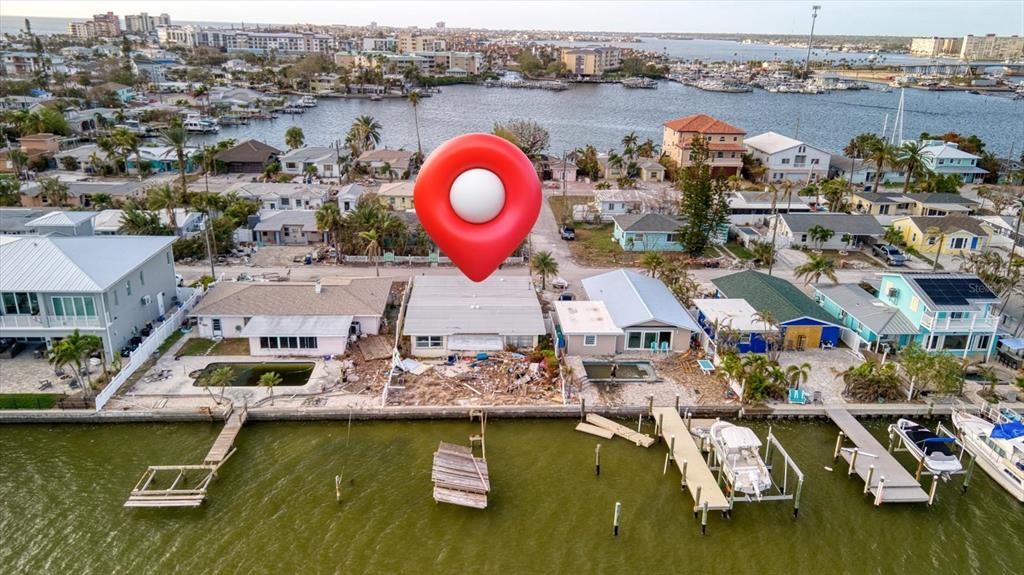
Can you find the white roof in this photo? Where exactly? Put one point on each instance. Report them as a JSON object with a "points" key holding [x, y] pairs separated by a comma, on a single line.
{"points": [[771, 142], [74, 264], [61, 219], [309, 153], [946, 151], [276, 190], [585, 317], [109, 221], [734, 313], [397, 189], [455, 305], [634, 299], [298, 325]]}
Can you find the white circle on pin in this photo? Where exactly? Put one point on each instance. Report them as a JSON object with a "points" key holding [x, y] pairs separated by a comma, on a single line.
{"points": [[477, 195]]}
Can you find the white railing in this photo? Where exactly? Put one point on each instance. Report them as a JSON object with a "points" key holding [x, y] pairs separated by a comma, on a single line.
{"points": [[511, 260], [975, 323], [133, 362], [23, 321]]}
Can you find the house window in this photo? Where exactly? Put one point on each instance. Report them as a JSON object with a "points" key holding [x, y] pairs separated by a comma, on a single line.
{"points": [[803, 238], [290, 165], [932, 240], [785, 160], [720, 155], [721, 138], [168, 254], [982, 341], [671, 237], [957, 243], [590, 340], [932, 342], [328, 168], [814, 161], [519, 341], [745, 338], [128, 286], [643, 339], [956, 315], [20, 303], [142, 278], [429, 341], [955, 342], [638, 237], [74, 307]]}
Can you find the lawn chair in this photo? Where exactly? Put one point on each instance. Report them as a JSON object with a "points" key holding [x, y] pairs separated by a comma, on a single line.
{"points": [[45, 384], [797, 397], [816, 398], [664, 347], [654, 347], [706, 366]]}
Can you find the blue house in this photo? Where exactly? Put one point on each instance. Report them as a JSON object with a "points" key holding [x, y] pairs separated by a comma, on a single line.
{"points": [[161, 159], [952, 312], [731, 323], [804, 323], [874, 321], [647, 233]]}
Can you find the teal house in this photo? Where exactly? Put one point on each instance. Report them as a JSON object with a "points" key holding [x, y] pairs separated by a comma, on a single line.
{"points": [[951, 313], [161, 159], [647, 233], [875, 322]]}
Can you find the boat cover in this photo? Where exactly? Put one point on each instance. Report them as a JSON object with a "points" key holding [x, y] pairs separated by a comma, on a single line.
{"points": [[1011, 430], [739, 437]]}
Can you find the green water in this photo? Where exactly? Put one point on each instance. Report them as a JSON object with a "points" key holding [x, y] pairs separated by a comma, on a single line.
{"points": [[248, 374], [273, 508]]}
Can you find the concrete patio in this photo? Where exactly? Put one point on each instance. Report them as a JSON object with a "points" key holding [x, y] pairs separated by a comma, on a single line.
{"points": [[827, 367]]}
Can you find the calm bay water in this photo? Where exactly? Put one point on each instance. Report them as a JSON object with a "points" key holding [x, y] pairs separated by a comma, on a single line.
{"points": [[272, 510], [602, 114]]}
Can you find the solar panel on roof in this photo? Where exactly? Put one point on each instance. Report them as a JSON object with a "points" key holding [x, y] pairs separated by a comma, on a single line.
{"points": [[955, 291]]}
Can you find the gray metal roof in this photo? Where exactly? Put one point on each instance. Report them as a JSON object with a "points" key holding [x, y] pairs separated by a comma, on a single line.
{"points": [[857, 225], [357, 297], [647, 223], [16, 220], [307, 154], [455, 305], [937, 198], [875, 314], [73, 264], [90, 188], [277, 220], [62, 219], [298, 326], [633, 299]]}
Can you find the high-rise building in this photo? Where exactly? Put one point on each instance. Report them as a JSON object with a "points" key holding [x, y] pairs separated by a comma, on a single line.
{"points": [[409, 42], [232, 40], [992, 47], [101, 26], [591, 61], [144, 23], [935, 46], [439, 25]]}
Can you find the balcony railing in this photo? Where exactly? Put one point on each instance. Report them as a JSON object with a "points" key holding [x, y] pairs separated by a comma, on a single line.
{"points": [[22, 321], [975, 323]]}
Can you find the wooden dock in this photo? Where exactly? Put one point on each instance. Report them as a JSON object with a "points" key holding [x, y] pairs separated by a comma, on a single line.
{"points": [[595, 430], [641, 439], [459, 477], [188, 488], [872, 462], [697, 476]]}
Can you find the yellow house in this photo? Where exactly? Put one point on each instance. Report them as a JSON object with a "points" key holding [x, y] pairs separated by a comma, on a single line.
{"points": [[397, 195], [955, 234]]}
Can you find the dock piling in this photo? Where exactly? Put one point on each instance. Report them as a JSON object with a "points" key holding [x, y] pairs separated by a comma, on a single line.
{"points": [[672, 449], [931, 490], [677, 403], [650, 405], [658, 427], [696, 500], [684, 473], [867, 483], [583, 408], [639, 423], [796, 497], [337, 488], [839, 446], [920, 468], [881, 491], [967, 475], [597, 460], [664, 468], [704, 520], [853, 461], [689, 420], [615, 521]]}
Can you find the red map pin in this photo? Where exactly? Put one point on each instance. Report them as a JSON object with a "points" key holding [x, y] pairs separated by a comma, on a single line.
{"points": [[477, 196]]}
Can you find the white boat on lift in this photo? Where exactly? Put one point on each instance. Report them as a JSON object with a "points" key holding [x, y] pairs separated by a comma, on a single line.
{"points": [[931, 446], [307, 102], [996, 440], [736, 451]]}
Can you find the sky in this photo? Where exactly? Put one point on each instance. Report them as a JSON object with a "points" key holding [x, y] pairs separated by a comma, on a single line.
{"points": [[863, 17]]}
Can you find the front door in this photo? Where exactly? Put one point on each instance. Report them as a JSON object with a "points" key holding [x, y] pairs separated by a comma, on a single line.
{"points": [[161, 308], [216, 328]]}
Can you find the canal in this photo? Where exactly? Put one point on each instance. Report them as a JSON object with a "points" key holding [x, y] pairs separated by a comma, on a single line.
{"points": [[273, 508]]}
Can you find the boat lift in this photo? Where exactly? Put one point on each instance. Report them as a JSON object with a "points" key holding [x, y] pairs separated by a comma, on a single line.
{"points": [[898, 444], [788, 487]]}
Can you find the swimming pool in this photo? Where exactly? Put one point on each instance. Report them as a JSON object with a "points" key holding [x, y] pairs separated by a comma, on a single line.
{"points": [[248, 374], [619, 371]]}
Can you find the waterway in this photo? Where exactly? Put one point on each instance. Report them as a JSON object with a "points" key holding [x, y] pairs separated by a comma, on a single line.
{"points": [[602, 114], [273, 509]]}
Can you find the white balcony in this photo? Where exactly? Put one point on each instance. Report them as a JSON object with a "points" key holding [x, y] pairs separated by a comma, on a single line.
{"points": [[22, 321], [968, 324]]}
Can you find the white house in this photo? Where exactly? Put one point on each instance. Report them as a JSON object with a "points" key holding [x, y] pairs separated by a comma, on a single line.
{"points": [[848, 230], [787, 158], [108, 222], [324, 159], [587, 328], [309, 319], [754, 207], [348, 197], [273, 196], [452, 314]]}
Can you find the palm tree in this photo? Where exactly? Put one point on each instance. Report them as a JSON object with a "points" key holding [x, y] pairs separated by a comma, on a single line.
{"points": [[933, 231], [819, 235], [364, 135], [309, 170], [70, 351], [176, 137], [763, 252], [94, 344], [18, 160], [54, 191], [220, 377], [652, 262], [414, 99], [798, 374], [271, 171], [136, 221], [270, 379], [816, 267], [771, 333], [911, 159], [544, 264], [387, 170], [128, 143], [164, 198], [294, 138], [102, 200], [329, 219], [893, 235], [881, 153], [372, 248], [629, 142]]}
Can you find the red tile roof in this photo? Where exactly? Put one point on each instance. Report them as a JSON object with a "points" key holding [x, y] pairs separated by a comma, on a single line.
{"points": [[704, 124]]}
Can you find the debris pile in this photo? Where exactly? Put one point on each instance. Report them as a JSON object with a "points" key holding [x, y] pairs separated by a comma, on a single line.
{"points": [[500, 378]]}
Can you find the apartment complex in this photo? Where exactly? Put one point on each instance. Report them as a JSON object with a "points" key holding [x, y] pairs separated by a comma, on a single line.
{"points": [[592, 60], [101, 26], [992, 47], [724, 141], [935, 46], [144, 23], [233, 40], [380, 44], [409, 42]]}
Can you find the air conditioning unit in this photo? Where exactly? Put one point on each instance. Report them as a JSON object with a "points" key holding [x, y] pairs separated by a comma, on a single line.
{"points": [[147, 299], [893, 292]]}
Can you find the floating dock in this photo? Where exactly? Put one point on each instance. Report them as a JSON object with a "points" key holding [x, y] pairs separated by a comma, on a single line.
{"points": [[640, 439], [884, 476], [188, 489], [459, 477], [697, 476]]}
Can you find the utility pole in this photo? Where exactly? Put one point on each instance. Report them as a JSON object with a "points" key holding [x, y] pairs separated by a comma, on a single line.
{"points": [[209, 252], [810, 40]]}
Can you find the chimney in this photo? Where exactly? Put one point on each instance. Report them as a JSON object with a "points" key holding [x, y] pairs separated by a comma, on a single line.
{"points": [[318, 287]]}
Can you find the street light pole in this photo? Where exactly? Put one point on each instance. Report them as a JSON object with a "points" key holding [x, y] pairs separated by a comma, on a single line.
{"points": [[810, 40]]}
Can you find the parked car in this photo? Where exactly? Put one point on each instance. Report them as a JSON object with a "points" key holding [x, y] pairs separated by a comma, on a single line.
{"points": [[890, 253], [566, 296], [559, 283], [568, 233]]}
